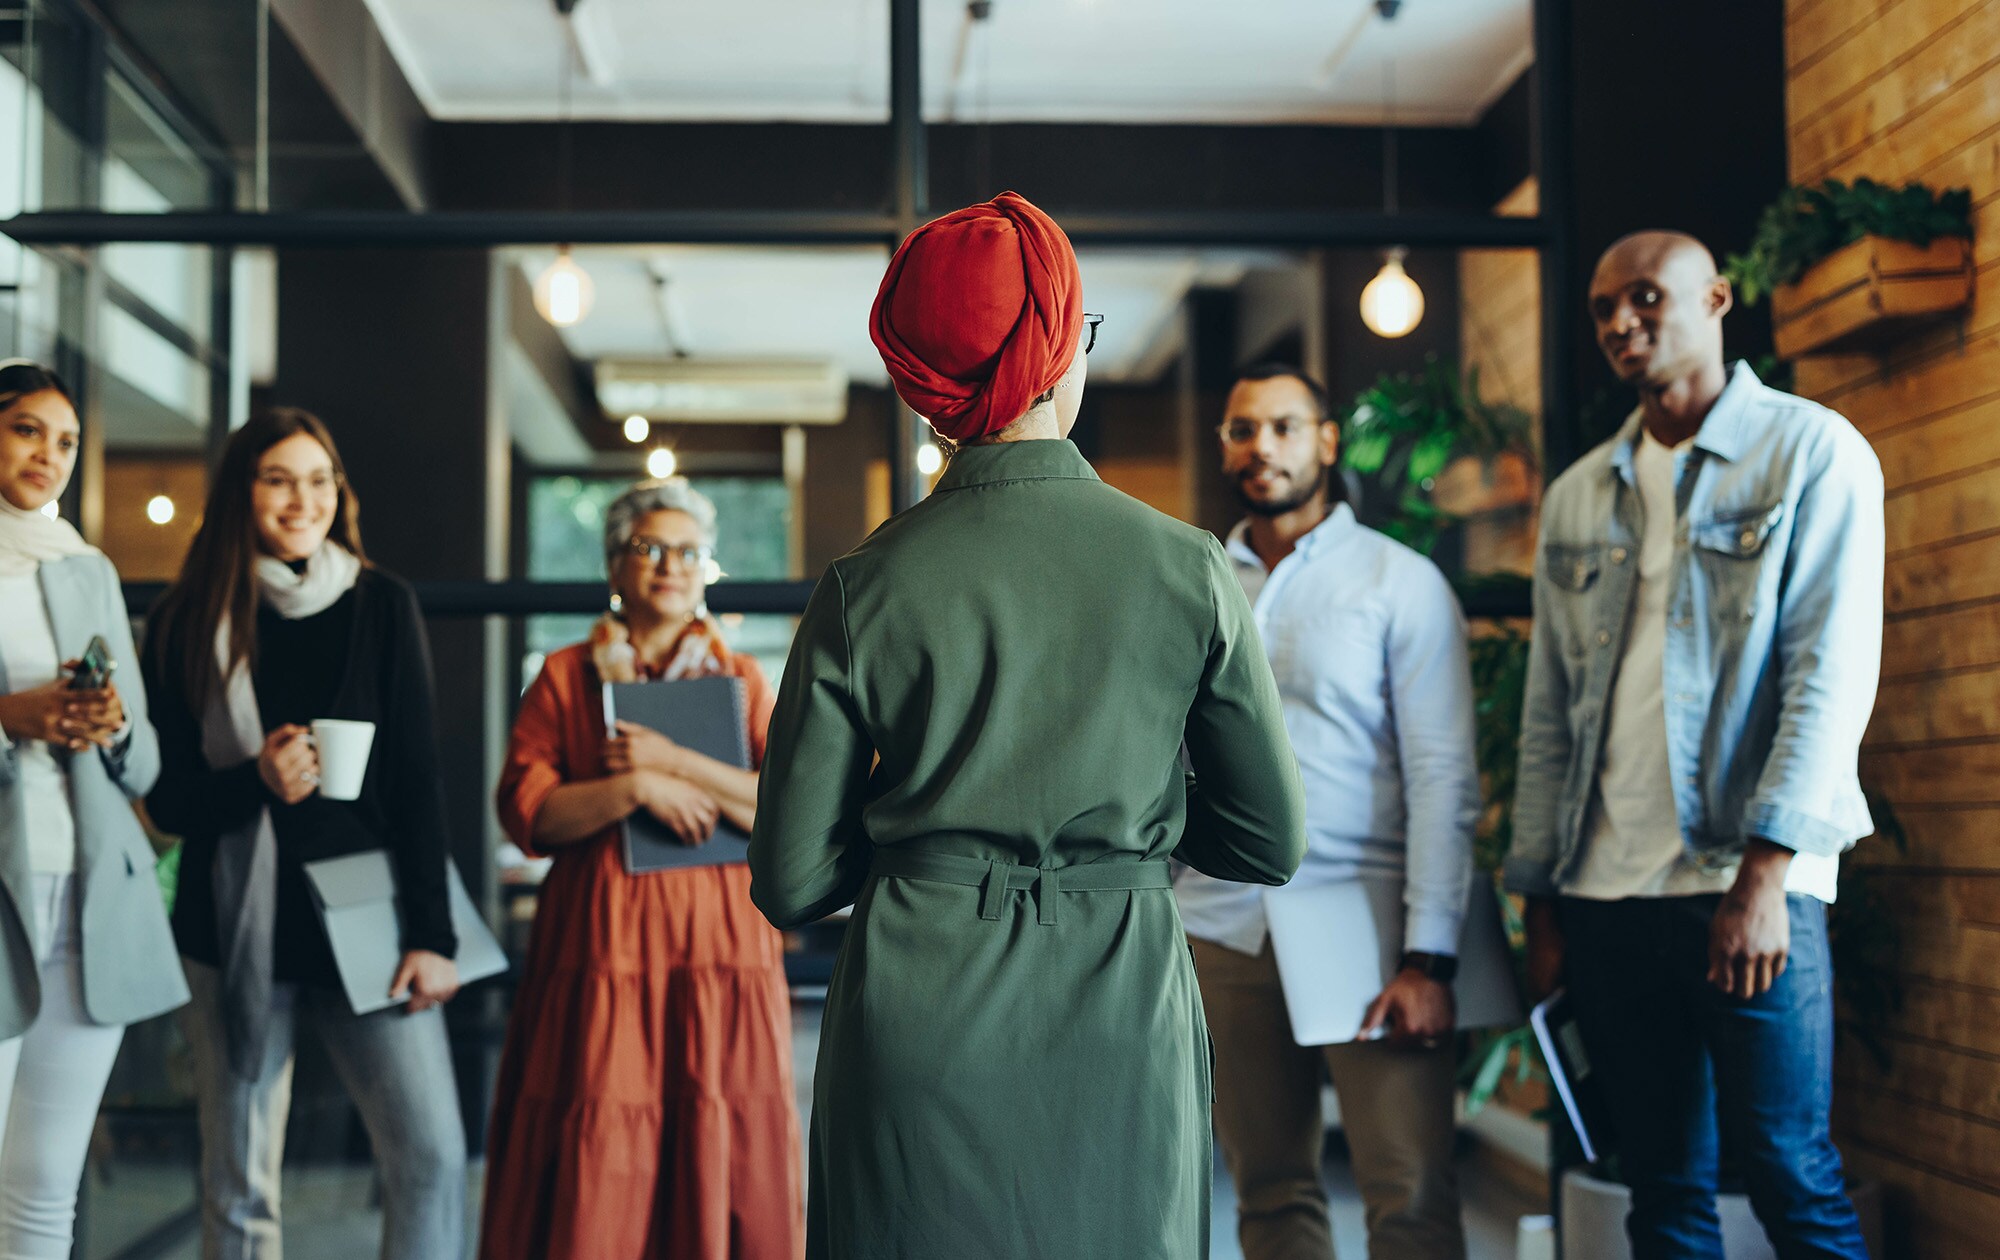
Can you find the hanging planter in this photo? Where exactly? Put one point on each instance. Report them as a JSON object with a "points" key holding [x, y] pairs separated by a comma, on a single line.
{"points": [[1856, 267], [1871, 293]]}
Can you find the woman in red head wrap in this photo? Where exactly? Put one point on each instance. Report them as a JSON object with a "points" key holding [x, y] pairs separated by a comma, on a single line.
{"points": [[979, 316], [978, 744]]}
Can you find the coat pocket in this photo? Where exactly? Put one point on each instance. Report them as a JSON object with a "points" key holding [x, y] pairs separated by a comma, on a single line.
{"points": [[1738, 535], [1731, 547], [1573, 570], [1572, 567]]}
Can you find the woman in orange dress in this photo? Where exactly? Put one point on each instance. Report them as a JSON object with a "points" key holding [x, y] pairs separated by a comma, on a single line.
{"points": [[644, 1107]]}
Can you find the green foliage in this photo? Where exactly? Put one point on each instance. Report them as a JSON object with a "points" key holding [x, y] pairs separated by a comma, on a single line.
{"points": [[168, 872], [1499, 686], [1805, 225], [1482, 1071], [1404, 430]]}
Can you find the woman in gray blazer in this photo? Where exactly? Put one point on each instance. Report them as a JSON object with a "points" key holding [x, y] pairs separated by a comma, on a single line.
{"points": [[84, 944]]}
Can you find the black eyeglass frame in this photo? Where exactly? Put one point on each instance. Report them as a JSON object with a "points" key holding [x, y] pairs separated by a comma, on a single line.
{"points": [[1090, 325]]}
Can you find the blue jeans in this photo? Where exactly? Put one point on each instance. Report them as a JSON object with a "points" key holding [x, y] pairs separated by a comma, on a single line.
{"points": [[1683, 1066], [397, 1069]]}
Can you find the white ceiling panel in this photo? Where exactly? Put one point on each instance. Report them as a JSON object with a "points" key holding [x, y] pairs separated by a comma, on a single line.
{"points": [[1154, 61]]}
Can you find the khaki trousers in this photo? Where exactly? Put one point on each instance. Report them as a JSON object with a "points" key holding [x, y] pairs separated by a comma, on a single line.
{"points": [[1395, 1105]]}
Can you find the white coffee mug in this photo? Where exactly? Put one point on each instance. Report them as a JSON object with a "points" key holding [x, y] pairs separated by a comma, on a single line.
{"points": [[343, 756]]}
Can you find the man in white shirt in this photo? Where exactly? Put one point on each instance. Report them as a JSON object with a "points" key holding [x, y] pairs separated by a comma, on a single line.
{"points": [[1368, 646]]}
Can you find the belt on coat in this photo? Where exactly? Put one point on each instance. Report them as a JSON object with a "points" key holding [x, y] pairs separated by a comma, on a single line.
{"points": [[995, 878]]}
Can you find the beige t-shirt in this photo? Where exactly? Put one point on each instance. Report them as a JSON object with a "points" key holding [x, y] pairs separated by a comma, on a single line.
{"points": [[1634, 846]]}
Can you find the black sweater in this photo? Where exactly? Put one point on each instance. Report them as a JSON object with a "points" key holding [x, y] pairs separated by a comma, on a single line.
{"points": [[365, 658]]}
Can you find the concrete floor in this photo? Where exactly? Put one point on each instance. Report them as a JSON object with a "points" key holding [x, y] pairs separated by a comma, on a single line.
{"points": [[331, 1214]]}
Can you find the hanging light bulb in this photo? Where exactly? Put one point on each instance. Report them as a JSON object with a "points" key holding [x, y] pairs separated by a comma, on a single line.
{"points": [[159, 509], [563, 292], [929, 459], [1392, 304], [660, 463], [637, 429]]}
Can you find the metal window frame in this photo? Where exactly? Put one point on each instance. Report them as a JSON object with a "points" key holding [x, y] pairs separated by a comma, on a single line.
{"points": [[1550, 231]]}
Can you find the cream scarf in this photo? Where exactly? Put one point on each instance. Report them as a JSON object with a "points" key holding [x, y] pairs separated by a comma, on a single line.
{"points": [[29, 540]]}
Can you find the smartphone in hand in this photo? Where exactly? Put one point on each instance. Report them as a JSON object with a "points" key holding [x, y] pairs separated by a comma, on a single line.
{"points": [[94, 668]]}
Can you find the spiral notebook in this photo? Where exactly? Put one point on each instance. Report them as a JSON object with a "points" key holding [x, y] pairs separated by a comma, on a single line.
{"points": [[707, 715]]}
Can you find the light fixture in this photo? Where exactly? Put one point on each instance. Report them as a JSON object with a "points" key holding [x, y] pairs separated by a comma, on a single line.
{"points": [[929, 459], [660, 463], [1392, 304], [637, 429], [159, 509], [563, 292]]}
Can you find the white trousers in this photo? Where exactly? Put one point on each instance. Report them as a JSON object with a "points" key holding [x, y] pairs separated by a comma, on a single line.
{"points": [[52, 1079]]}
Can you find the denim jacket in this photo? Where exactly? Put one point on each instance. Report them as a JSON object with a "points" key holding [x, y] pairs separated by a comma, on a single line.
{"points": [[1774, 635]]}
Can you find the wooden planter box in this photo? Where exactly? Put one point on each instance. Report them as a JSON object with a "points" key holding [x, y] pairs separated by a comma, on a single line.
{"points": [[1871, 293]]}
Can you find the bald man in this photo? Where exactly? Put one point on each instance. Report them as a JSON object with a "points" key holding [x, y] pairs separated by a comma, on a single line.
{"points": [[1708, 628]]}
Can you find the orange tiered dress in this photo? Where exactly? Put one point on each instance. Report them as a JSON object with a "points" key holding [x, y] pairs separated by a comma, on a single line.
{"points": [[644, 1108]]}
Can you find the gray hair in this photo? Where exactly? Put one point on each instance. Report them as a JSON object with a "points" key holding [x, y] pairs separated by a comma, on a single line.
{"points": [[672, 495]]}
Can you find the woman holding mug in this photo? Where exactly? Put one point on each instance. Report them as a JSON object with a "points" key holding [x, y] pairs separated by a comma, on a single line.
{"points": [[85, 939], [644, 1109], [279, 620]]}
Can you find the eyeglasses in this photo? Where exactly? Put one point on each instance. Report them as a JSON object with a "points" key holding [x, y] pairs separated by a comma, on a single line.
{"points": [[320, 483], [1244, 432], [1090, 323], [656, 553]]}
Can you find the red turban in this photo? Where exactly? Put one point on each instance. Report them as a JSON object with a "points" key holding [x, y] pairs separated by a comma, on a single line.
{"points": [[980, 314]]}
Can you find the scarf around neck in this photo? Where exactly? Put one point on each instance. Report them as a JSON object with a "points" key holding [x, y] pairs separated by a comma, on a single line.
{"points": [[29, 540], [697, 653]]}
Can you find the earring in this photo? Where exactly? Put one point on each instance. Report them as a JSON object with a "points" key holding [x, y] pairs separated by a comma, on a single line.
{"points": [[617, 604]]}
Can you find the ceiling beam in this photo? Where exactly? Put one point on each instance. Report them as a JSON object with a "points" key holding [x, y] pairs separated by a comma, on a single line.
{"points": [[487, 229], [306, 229]]}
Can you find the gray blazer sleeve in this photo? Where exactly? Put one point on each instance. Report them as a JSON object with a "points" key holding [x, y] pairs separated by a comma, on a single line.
{"points": [[133, 761]]}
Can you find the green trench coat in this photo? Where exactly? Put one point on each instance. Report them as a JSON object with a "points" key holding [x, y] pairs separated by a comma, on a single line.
{"points": [[1013, 1061]]}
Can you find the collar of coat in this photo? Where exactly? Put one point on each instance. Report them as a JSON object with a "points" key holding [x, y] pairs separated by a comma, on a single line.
{"points": [[1042, 459]]}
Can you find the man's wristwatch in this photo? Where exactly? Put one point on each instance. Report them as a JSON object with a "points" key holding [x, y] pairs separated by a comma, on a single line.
{"points": [[1439, 967]]}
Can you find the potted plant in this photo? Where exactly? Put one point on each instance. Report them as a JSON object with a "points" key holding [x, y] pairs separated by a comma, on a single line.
{"points": [[1409, 432], [1852, 267]]}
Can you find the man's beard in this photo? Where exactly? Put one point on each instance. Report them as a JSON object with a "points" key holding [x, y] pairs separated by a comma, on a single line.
{"points": [[1288, 503]]}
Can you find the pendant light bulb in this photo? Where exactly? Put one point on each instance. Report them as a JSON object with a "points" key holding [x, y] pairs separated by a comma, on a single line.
{"points": [[159, 509], [563, 292], [637, 429], [660, 463], [1392, 305], [929, 459]]}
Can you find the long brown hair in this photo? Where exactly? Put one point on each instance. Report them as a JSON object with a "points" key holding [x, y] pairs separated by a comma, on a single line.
{"points": [[216, 582]]}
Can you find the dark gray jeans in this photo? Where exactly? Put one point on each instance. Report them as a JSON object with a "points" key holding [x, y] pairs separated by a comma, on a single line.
{"points": [[397, 1069]]}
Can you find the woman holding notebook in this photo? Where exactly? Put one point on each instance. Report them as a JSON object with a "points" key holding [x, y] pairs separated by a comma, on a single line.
{"points": [[644, 1107], [278, 622]]}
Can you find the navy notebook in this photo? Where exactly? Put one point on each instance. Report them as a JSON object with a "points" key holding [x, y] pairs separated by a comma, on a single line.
{"points": [[703, 714]]}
